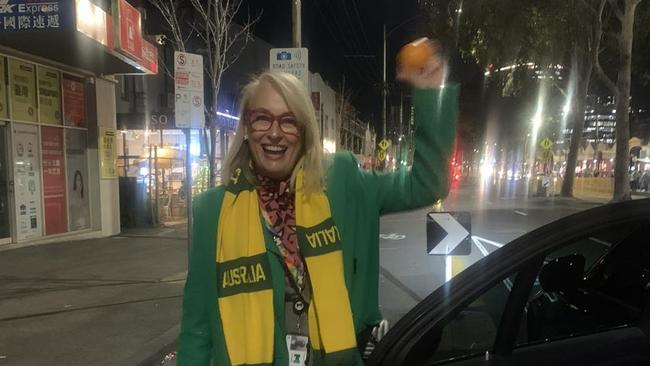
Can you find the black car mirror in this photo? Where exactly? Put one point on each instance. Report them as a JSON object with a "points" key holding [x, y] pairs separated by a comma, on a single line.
{"points": [[562, 274], [449, 233]]}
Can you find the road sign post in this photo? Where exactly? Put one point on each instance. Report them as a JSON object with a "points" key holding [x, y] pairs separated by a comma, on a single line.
{"points": [[189, 113], [449, 233], [294, 61]]}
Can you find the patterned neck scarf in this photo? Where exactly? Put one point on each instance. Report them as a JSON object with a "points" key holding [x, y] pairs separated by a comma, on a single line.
{"points": [[277, 204]]}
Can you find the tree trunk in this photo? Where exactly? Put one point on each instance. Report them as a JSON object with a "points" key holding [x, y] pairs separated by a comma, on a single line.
{"points": [[578, 119], [622, 189], [212, 155]]}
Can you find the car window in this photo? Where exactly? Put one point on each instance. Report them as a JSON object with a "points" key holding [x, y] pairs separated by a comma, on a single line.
{"points": [[473, 330], [596, 283]]}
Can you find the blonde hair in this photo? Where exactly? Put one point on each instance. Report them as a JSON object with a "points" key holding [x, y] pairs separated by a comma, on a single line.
{"points": [[295, 95]]}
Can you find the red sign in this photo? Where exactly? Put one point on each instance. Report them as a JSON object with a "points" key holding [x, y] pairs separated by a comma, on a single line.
{"points": [[130, 30], [53, 180], [74, 102], [110, 41], [150, 57]]}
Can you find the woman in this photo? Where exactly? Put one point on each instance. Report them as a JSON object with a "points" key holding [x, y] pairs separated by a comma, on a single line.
{"points": [[284, 263]]}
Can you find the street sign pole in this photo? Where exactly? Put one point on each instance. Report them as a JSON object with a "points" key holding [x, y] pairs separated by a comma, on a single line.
{"points": [[189, 113], [188, 189]]}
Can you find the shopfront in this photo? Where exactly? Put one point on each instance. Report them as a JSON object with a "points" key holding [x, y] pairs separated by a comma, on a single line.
{"points": [[54, 106]]}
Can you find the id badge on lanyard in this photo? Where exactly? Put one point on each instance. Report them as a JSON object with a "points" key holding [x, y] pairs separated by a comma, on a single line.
{"points": [[297, 347]]}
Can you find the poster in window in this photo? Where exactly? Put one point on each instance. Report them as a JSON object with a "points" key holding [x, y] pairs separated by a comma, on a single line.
{"points": [[4, 111], [77, 171], [74, 102], [49, 96], [27, 183], [108, 153], [22, 90], [53, 180]]}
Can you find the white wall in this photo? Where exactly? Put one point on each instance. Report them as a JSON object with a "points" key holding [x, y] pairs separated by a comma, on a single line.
{"points": [[328, 107], [109, 194]]}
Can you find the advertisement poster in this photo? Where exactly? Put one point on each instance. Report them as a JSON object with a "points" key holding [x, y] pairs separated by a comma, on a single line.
{"points": [[22, 86], [53, 180], [74, 102], [4, 111], [27, 183], [49, 96], [108, 153], [76, 165]]}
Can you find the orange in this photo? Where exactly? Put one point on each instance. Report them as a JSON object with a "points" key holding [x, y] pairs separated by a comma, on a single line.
{"points": [[413, 56]]}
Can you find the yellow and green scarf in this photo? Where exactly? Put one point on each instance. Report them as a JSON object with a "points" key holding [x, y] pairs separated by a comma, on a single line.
{"points": [[245, 289]]}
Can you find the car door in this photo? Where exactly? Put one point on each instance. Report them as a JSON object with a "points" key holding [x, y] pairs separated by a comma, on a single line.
{"points": [[487, 315]]}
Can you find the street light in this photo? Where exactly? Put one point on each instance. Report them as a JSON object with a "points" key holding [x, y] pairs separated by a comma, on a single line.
{"points": [[384, 86]]}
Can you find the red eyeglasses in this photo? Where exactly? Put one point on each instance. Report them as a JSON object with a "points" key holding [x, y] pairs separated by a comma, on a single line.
{"points": [[260, 120]]}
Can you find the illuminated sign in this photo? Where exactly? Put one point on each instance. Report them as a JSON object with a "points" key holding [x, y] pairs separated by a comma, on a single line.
{"points": [[29, 15], [93, 21], [129, 29]]}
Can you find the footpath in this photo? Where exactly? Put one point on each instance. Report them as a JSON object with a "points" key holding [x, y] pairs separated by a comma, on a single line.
{"points": [[109, 301]]}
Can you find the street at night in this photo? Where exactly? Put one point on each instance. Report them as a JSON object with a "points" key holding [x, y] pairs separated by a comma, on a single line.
{"points": [[324, 182]]}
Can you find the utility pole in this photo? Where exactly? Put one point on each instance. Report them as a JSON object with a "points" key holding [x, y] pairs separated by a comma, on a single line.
{"points": [[296, 22]]}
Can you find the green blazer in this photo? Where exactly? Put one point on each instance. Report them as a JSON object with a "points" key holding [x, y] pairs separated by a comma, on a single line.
{"points": [[357, 198]]}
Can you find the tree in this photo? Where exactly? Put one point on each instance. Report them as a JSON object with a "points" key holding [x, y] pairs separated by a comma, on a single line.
{"points": [[585, 41], [221, 43], [622, 31]]}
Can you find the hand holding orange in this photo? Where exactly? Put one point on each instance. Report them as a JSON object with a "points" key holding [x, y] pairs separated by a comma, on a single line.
{"points": [[419, 64]]}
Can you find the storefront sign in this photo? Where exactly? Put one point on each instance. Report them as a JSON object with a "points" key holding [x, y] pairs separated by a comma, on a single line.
{"points": [[27, 184], [49, 95], [53, 180], [4, 111], [30, 15], [93, 21], [108, 153], [129, 29], [188, 83], [77, 171], [74, 102], [22, 83], [150, 57]]}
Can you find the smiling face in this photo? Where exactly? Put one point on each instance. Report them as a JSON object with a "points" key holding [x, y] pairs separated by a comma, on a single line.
{"points": [[275, 149]]}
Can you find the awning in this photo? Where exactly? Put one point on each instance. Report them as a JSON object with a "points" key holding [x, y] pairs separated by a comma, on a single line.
{"points": [[79, 34], [70, 48]]}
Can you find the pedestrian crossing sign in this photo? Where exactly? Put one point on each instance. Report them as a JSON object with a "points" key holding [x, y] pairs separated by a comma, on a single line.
{"points": [[382, 155], [546, 143], [384, 144]]}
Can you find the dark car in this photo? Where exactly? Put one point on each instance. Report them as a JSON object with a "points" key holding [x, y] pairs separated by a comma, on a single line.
{"points": [[573, 292]]}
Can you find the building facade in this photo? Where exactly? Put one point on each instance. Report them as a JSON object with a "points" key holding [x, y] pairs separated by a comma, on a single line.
{"points": [[57, 115]]}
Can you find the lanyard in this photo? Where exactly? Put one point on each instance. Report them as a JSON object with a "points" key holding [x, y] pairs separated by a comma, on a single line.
{"points": [[299, 302]]}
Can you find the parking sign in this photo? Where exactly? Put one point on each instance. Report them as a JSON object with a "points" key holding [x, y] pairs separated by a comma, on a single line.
{"points": [[188, 85]]}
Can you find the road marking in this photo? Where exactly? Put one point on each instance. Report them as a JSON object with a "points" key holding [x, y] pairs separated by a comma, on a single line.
{"points": [[521, 213], [389, 276], [447, 268], [392, 236], [485, 253], [498, 245]]}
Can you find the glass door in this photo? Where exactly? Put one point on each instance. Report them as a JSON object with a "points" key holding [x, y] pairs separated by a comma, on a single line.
{"points": [[5, 210]]}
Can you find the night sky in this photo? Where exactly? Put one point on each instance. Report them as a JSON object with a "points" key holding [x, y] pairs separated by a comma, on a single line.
{"points": [[344, 38]]}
